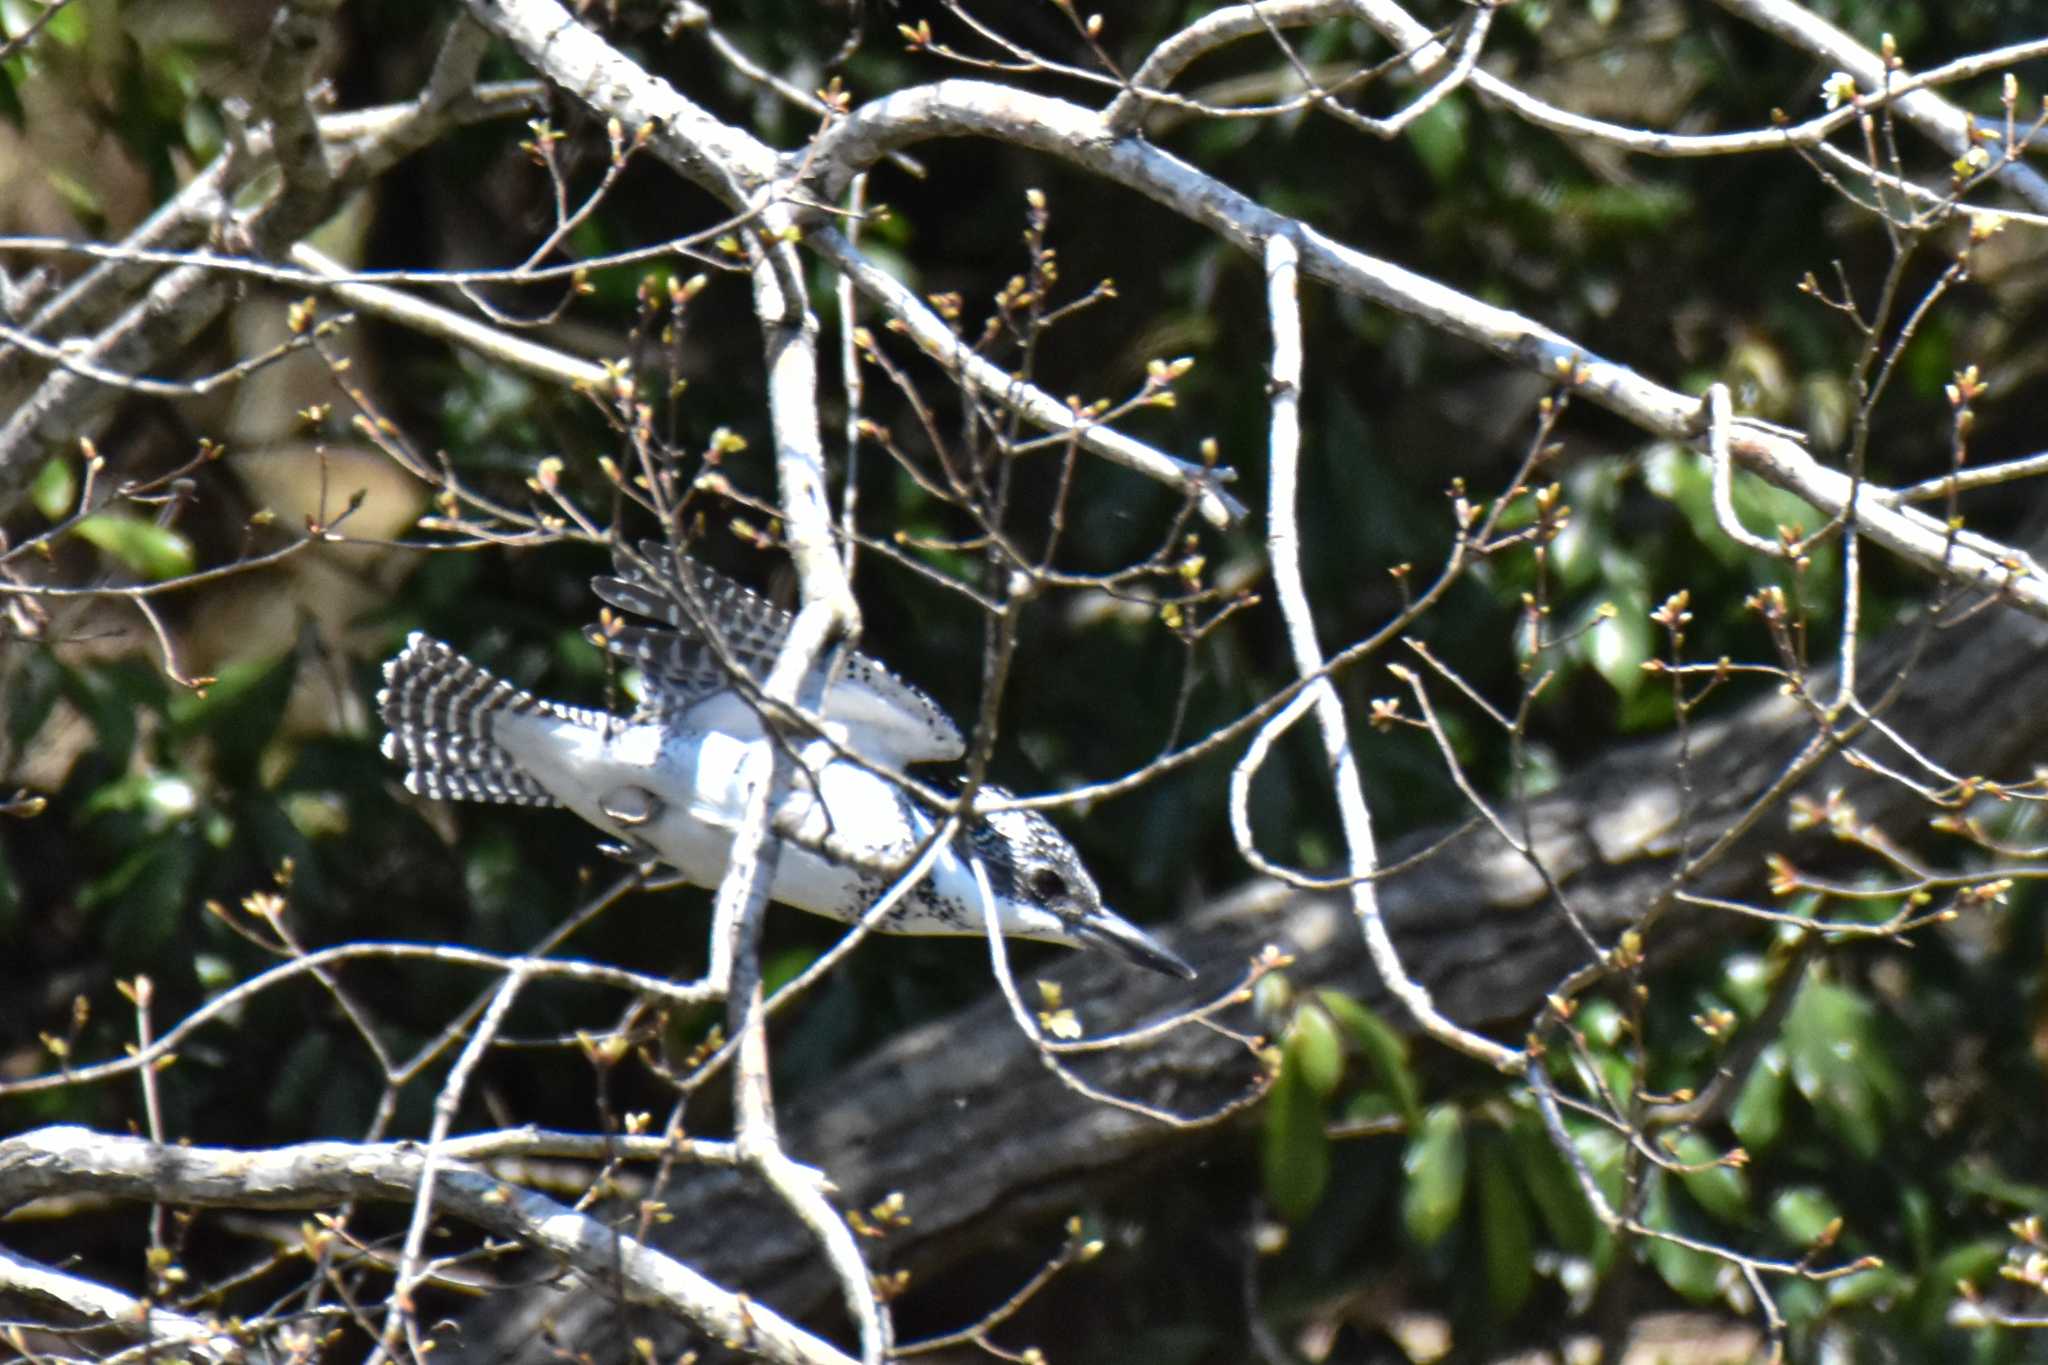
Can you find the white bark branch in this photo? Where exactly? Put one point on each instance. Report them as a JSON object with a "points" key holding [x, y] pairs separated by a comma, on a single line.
{"points": [[789, 334], [447, 1105], [160, 1329], [67, 1160], [431, 319], [1424, 54], [145, 332], [1030, 402], [1945, 124], [1283, 548], [221, 1007], [960, 108], [740, 171]]}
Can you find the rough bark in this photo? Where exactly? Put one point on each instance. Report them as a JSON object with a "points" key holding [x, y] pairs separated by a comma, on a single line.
{"points": [[962, 1118]]}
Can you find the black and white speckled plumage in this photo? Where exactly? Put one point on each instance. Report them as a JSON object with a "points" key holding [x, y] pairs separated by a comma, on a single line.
{"points": [[1023, 854], [892, 720], [670, 782], [440, 712]]}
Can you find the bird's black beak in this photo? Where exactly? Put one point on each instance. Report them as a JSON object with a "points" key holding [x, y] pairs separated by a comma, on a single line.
{"points": [[1132, 944]]}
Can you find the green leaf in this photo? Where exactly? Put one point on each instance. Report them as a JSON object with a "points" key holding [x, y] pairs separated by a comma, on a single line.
{"points": [[1504, 1221], [1720, 1189], [1296, 1150], [1371, 1106], [1385, 1050], [1684, 479], [1985, 1180], [1618, 646], [68, 27], [1930, 360], [146, 896], [11, 107], [31, 695], [10, 896], [238, 712], [1439, 141], [1553, 1186], [781, 968], [1758, 1115], [1312, 1045], [1840, 1066], [1802, 1302], [1603, 1153], [79, 195], [1975, 1263], [200, 127], [1618, 210], [1617, 1073], [1802, 1213], [1746, 979], [1435, 1165], [155, 552], [1764, 508], [165, 797], [1878, 1285], [1693, 1275], [1273, 1000], [1602, 1023], [1918, 1217], [110, 697], [54, 490]]}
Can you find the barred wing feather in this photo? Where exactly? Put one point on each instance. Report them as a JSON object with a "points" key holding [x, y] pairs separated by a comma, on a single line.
{"points": [[886, 718]]}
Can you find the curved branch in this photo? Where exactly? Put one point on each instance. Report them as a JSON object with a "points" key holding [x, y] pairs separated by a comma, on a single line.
{"points": [[738, 169], [161, 1329], [962, 108], [69, 1160]]}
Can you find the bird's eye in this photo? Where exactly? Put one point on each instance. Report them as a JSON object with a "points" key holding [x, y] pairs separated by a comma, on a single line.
{"points": [[1048, 885]]}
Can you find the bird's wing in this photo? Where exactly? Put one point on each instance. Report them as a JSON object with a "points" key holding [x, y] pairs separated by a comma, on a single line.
{"points": [[884, 717]]}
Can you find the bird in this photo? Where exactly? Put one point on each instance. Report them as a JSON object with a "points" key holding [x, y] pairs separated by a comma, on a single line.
{"points": [[668, 783]]}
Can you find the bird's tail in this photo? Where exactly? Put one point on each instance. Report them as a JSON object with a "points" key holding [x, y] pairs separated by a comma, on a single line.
{"points": [[440, 709]]}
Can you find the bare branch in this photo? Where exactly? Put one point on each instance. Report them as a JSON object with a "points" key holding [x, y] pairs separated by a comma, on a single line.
{"points": [[317, 1174], [160, 1328]]}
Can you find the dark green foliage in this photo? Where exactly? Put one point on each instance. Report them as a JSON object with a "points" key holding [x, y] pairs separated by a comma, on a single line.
{"points": [[1895, 1114]]}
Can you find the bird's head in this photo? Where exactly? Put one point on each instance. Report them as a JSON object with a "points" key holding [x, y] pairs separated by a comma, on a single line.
{"points": [[1043, 890]]}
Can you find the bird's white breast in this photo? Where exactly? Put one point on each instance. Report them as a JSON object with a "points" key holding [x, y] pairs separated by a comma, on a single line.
{"points": [[699, 781]]}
